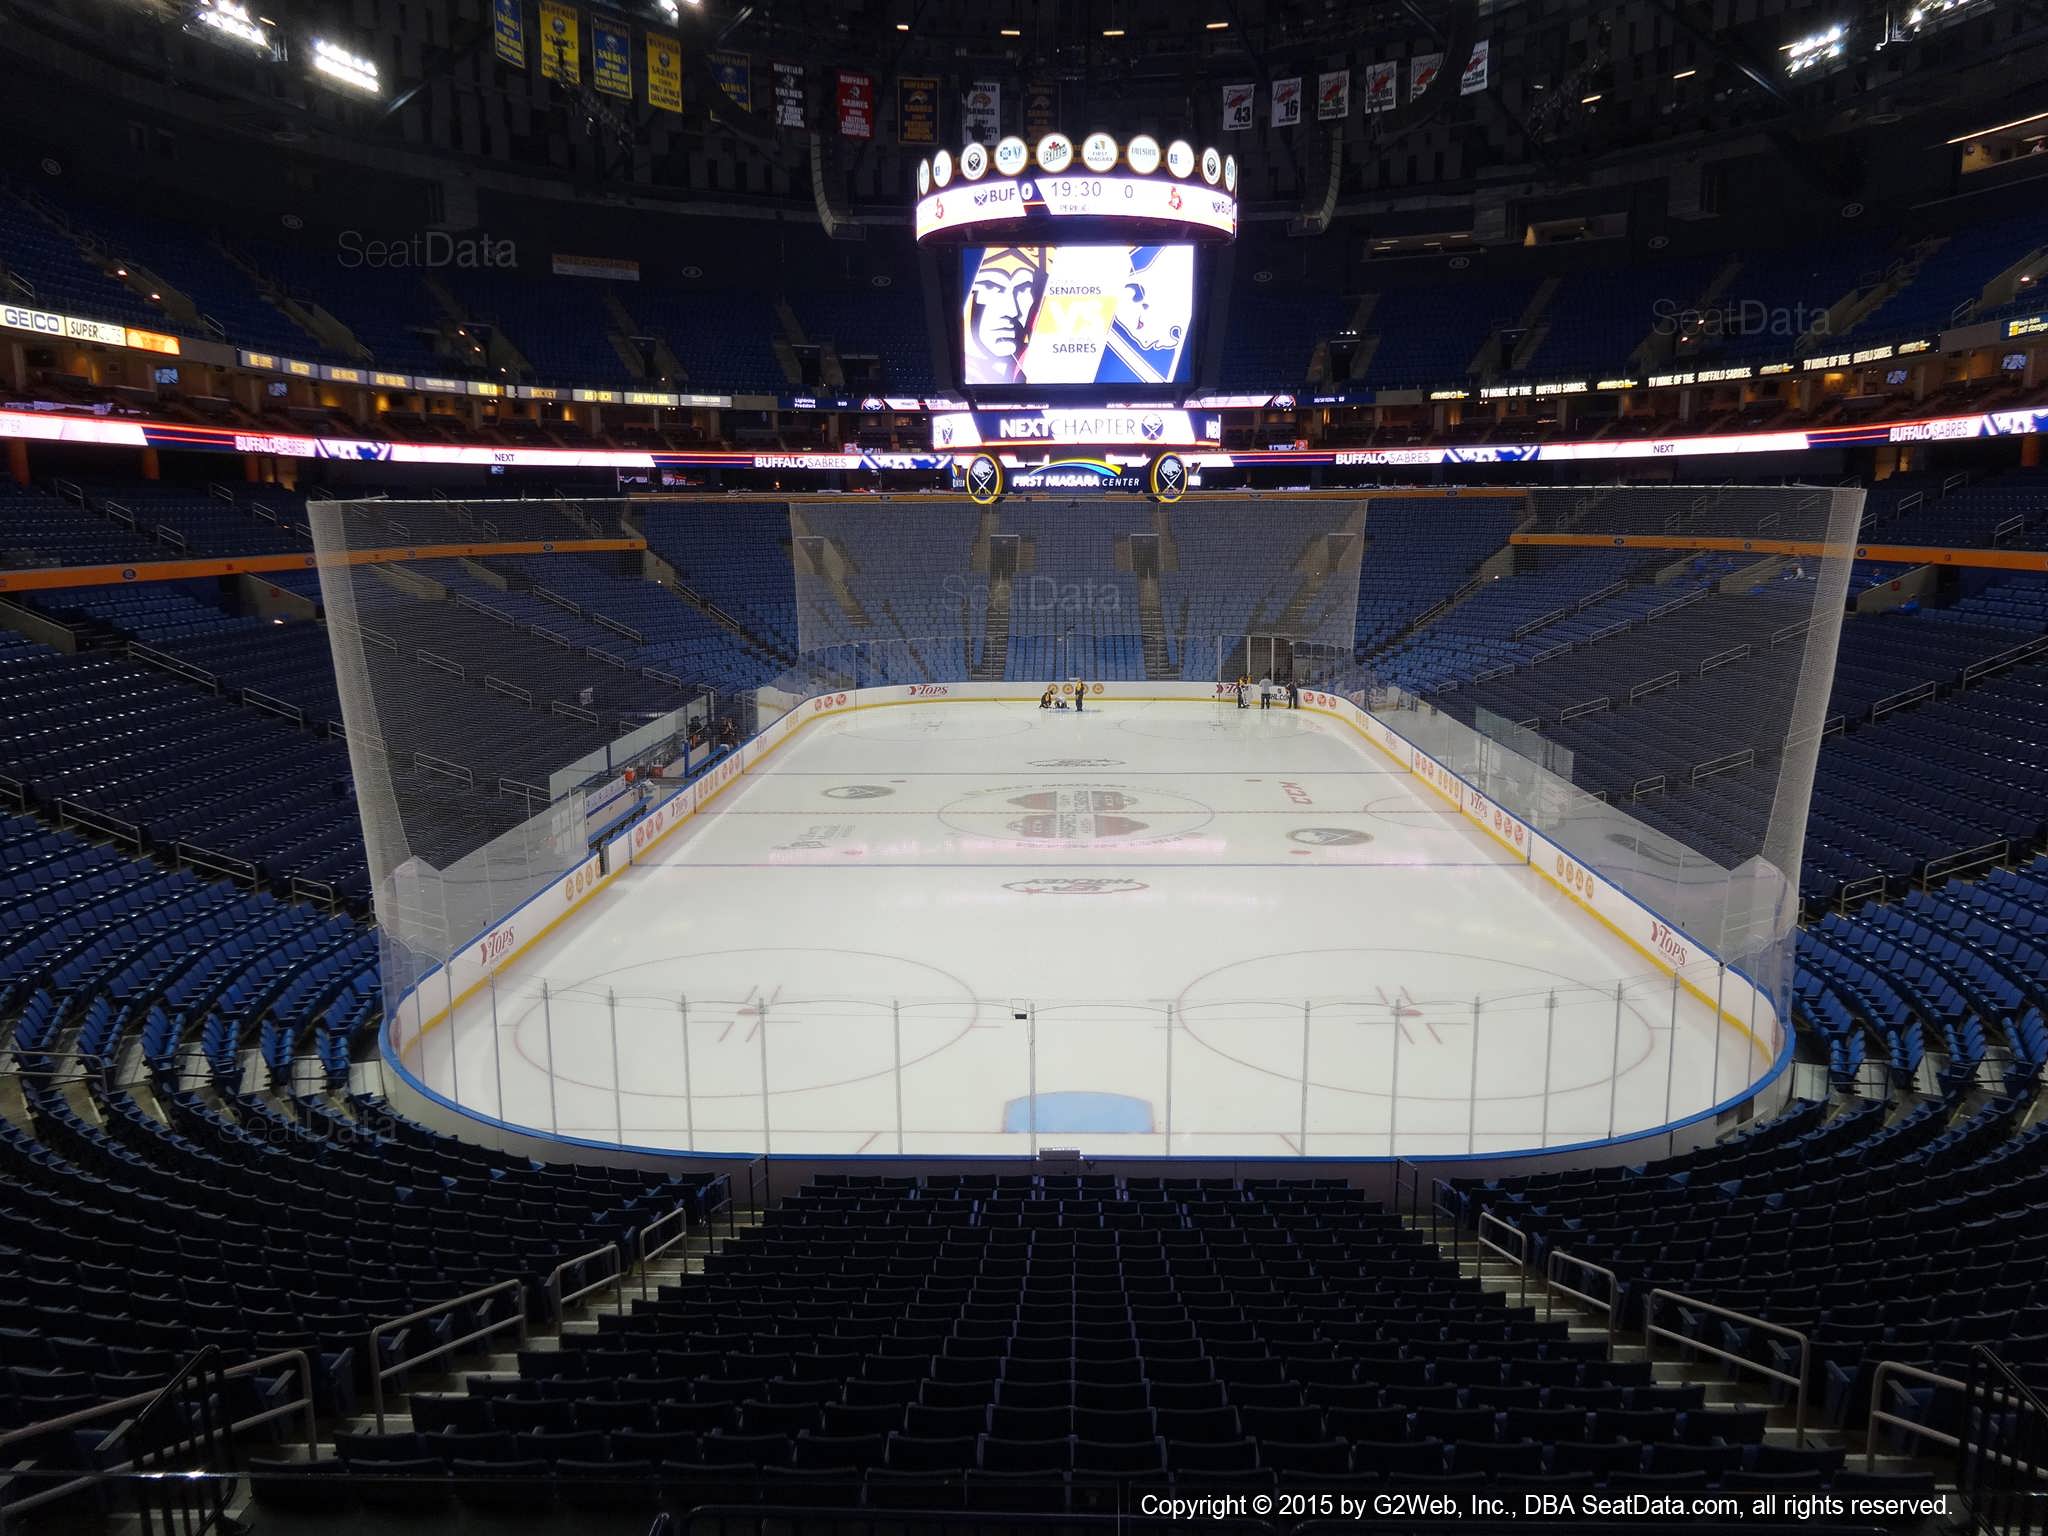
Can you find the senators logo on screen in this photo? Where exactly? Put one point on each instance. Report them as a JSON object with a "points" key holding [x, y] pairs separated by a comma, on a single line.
{"points": [[1078, 314]]}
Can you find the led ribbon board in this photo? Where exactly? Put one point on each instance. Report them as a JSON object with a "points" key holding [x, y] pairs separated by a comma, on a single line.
{"points": [[1041, 207]]}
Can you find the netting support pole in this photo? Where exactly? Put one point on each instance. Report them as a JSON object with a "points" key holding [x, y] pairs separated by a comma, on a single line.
{"points": [[1394, 1082], [1671, 1056], [1472, 1094], [1169, 1079], [1307, 1011], [1753, 990], [1031, 1075], [454, 1075], [767, 1137], [1614, 1061], [547, 1019], [896, 1033], [611, 1005], [1549, 1036], [689, 1113], [1720, 1024], [497, 1054]]}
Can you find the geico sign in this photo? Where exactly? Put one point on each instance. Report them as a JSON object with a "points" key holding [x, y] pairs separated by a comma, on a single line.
{"points": [[1669, 944], [40, 321]]}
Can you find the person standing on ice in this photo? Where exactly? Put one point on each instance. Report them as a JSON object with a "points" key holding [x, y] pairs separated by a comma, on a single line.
{"points": [[1080, 693], [1265, 693]]}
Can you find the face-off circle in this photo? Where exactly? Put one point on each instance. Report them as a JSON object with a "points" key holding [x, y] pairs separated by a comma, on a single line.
{"points": [[803, 996], [1076, 815]]}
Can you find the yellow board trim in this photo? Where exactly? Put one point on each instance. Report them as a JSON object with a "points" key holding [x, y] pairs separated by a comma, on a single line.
{"points": [[1580, 902]]}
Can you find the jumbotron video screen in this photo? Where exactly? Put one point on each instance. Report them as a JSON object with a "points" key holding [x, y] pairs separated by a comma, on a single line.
{"points": [[1077, 314]]}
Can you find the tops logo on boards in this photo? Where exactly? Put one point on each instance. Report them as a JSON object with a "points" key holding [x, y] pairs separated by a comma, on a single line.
{"points": [[1669, 944]]}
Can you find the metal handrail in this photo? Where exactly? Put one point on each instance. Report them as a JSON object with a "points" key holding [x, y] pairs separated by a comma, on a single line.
{"points": [[1653, 685], [256, 699], [1612, 589], [1731, 761], [1998, 661], [1652, 1332], [1521, 1259], [1554, 1287], [1408, 1178], [1889, 1368], [650, 1252], [1542, 619], [1696, 595], [1994, 852], [557, 1299], [379, 1375], [1438, 1206], [303, 1403], [1917, 694], [2003, 1387]]}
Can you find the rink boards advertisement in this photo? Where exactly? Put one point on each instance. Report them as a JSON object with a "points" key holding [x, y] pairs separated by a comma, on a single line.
{"points": [[1691, 964]]}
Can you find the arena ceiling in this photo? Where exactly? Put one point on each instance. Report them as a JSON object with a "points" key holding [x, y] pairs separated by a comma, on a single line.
{"points": [[1578, 92]]}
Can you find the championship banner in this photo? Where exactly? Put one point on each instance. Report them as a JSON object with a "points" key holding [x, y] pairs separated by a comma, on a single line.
{"points": [[1473, 80], [981, 113], [734, 73], [1422, 72], [1333, 96], [856, 98], [508, 32], [1041, 109], [561, 42], [1287, 102], [664, 72], [917, 109], [1380, 89], [611, 58], [789, 95]]}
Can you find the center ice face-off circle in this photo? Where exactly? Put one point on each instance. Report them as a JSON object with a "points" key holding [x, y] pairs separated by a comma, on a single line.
{"points": [[1075, 815]]}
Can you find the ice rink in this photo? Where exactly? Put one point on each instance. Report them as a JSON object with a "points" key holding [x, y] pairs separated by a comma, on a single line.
{"points": [[1170, 926]]}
